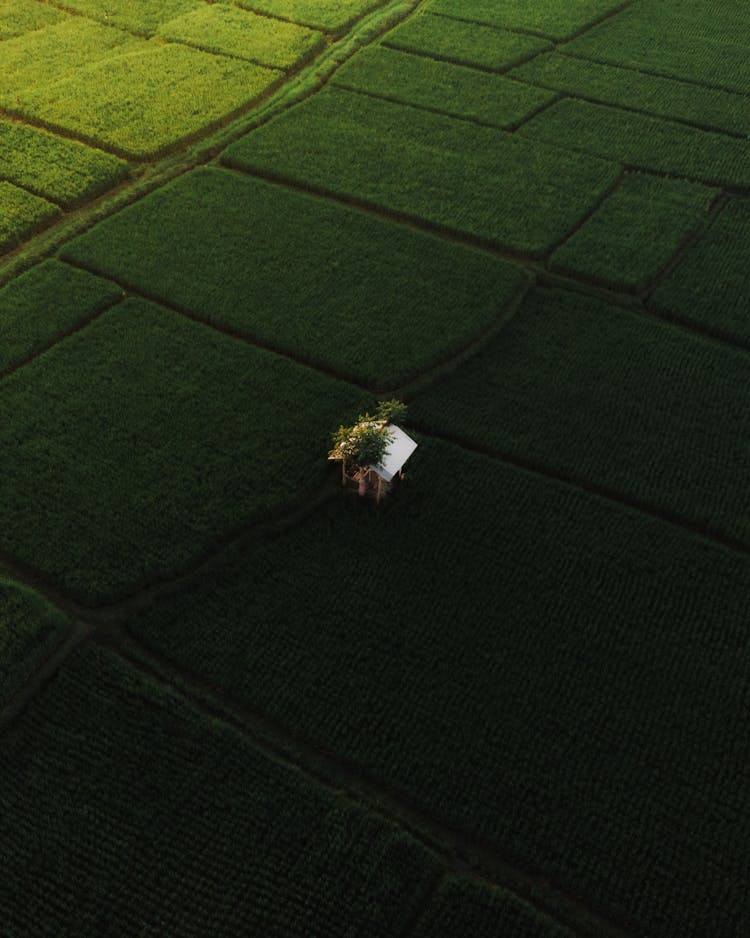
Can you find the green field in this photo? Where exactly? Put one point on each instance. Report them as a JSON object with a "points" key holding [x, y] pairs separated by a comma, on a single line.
{"points": [[505, 698]]}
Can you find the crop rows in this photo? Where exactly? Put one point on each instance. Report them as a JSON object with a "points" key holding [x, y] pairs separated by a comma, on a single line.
{"points": [[329, 15], [463, 43], [464, 906], [662, 423], [196, 91], [441, 86], [685, 41], [562, 678], [555, 19], [472, 179], [29, 629], [21, 16], [44, 304], [374, 301], [132, 480], [22, 214], [142, 17], [643, 142], [635, 232], [710, 285], [60, 170], [669, 98], [125, 812]]}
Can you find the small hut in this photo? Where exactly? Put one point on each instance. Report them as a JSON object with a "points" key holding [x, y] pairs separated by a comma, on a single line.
{"points": [[372, 477]]}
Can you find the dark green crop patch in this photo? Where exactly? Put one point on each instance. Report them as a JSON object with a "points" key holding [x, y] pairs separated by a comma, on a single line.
{"points": [[30, 628], [343, 290], [555, 19], [491, 645], [441, 86], [128, 812], [635, 232], [463, 43], [479, 181], [44, 304], [135, 446], [21, 215]]}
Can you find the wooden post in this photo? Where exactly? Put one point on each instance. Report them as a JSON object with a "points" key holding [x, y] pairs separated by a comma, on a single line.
{"points": [[380, 489]]}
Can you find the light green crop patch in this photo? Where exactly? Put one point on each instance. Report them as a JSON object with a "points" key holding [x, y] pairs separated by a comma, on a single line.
{"points": [[554, 18], [145, 102], [441, 86], [225, 29], [23, 16], [464, 43], [628, 240], [328, 15], [29, 630], [21, 214], [43, 304], [63, 171], [48, 55], [139, 16]]}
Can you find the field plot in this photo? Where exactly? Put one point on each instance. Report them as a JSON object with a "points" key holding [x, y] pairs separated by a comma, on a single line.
{"points": [[175, 824], [43, 57], [556, 19], [644, 143], [707, 46], [22, 214], [630, 238], [23, 16], [56, 169], [143, 102], [373, 301], [708, 108], [138, 16], [465, 907], [224, 28], [29, 630], [114, 481], [44, 304], [453, 174], [329, 15], [560, 677], [663, 424], [710, 286], [441, 86], [464, 43]]}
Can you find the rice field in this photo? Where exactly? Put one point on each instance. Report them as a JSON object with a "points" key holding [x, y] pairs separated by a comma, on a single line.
{"points": [[510, 698]]}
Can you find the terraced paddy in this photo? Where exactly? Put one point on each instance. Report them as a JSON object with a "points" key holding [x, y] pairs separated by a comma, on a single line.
{"points": [[510, 701]]}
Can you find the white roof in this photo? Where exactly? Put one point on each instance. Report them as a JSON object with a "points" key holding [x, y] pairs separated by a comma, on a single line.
{"points": [[399, 450]]}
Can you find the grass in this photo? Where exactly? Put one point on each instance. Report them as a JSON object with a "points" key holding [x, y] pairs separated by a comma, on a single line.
{"points": [[177, 824], [29, 630], [636, 231], [466, 178], [662, 422], [115, 483], [45, 56], [329, 15], [552, 674], [222, 28], [374, 301], [463, 43], [688, 41], [555, 19], [710, 285], [441, 86], [464, 906], [44, 304], [22, 215], [54, 168], [644, 143], [23, 16], [672, 99], [143, 103]]}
